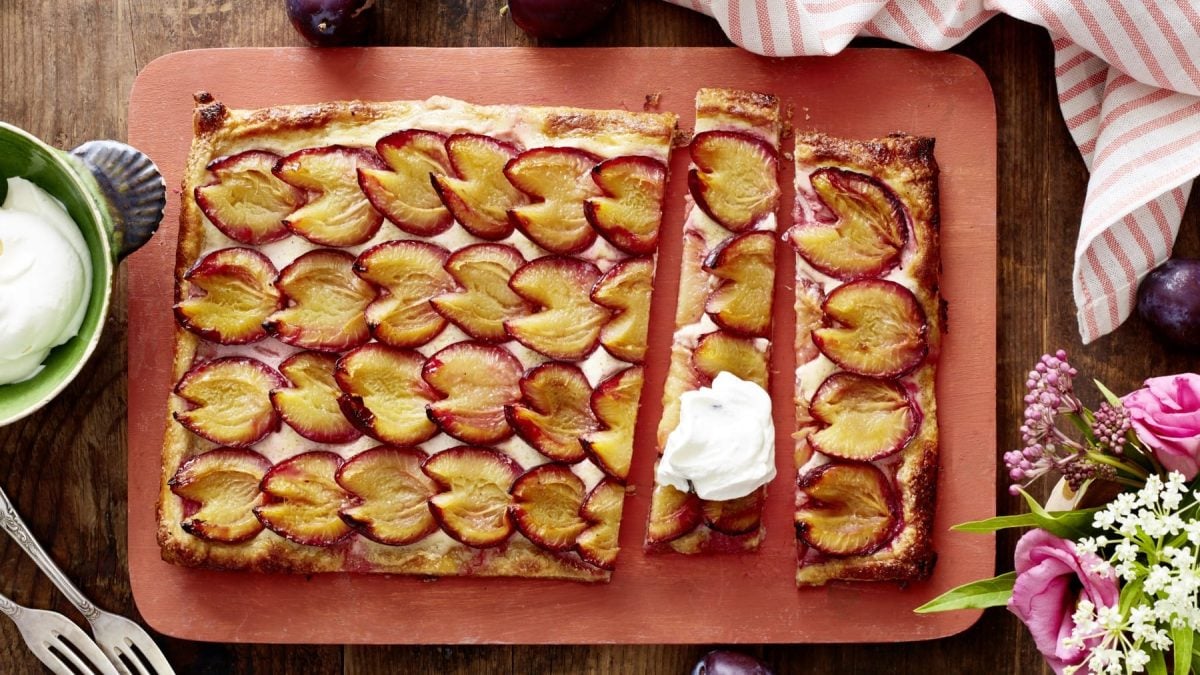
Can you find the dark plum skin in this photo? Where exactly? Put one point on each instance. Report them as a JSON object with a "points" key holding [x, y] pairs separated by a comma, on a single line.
{"points": [[329, 23], [1169, 300], [558, 19], [725, 662]]}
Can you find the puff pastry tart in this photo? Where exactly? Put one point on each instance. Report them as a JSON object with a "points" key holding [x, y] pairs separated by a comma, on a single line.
{"points": [[410, 337], [723, 314], [868, 333]]}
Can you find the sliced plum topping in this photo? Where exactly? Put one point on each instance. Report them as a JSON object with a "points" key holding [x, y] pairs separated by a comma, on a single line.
{"points": [[878, 328], [222, 487], [247, 202], [734, 179], [385, 395], [846, 509], [861, 418], [558, 180], [555, 411], [230, 400], [390, 495], [473, 506], [237, 294]]}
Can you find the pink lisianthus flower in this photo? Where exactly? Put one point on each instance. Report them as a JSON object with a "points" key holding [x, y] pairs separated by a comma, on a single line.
{"points": [[1165, 414], [1052, 577]]}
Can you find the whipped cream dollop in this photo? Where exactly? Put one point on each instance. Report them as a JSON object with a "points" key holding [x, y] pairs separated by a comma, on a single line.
{"points": [[724, 446], [45, 279]]}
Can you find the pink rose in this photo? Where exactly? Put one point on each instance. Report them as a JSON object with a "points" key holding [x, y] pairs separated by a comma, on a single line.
{"points": [[1166, 417], [1052, 577]]}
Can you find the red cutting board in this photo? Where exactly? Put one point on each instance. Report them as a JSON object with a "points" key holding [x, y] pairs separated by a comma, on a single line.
{"points": [[652, 599]]}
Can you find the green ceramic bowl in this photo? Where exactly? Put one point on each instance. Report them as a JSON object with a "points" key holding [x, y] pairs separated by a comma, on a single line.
{"points": [[116, 196]]}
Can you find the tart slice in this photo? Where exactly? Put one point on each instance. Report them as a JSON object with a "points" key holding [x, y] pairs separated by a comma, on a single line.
{"points": [[868, 333], [723, 314]]}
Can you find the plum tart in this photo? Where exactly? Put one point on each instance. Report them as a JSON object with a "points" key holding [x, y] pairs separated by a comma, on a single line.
{"points": [[410, 337], [869, 320], [723, 312]]}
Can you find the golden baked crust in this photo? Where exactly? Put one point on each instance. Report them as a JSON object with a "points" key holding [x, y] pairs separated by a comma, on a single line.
{"points": [[757, 115], [904, 164], [222, 132]]}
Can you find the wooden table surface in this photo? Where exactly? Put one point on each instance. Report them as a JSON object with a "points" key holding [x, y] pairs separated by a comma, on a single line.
{"points": [[66, 68]]}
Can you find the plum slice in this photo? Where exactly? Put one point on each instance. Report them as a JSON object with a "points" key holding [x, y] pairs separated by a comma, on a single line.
{"points": [[719, 352], [325, 303], [734, 178], [220, 489], [846, 509], [555, 411], [403, 192], [310, 404], [861, 418], [745, 265], [878, 328], [338, 213], [384, 394], [615, 404], [239, 293], [869, 232], [567, 323], [476, 381], [673, 513], [408, 274], [247, 202], [629, 212], [230, 400], [625, 289], [390, 495], [735, 516], [546, 506], [558, 180], [486, 301], [693, 282], [473, 506], [602, 510], [478, 194], [682, 376], [303, 500]]}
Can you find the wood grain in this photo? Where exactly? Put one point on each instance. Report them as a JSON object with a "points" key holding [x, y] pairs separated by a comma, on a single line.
{"points": [[65, 72]]}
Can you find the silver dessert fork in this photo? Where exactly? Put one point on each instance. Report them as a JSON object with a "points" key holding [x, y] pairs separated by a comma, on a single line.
{"points": [[58, 643], [124, 642]]}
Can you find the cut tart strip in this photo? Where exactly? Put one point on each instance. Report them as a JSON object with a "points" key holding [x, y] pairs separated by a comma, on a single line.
{"points": [[726, 287], [869, 319], [421, 353]]}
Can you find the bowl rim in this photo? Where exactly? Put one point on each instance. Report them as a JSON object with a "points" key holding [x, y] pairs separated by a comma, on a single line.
{"points": [[101, 222]]}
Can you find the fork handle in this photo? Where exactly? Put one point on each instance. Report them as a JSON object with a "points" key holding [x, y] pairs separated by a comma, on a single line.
{"points": [[12, 524], [9, 607]]}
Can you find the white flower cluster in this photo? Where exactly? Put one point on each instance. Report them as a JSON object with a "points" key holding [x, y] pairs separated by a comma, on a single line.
{"points": [[1155, 544]]}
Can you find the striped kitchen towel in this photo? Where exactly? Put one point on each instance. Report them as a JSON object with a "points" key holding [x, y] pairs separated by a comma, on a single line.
{"points": [[1128, 83]]}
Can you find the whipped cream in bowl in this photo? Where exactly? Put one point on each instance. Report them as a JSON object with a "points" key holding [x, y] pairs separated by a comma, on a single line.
{"points": [[45, 279], [66, 218], [724, 445]]}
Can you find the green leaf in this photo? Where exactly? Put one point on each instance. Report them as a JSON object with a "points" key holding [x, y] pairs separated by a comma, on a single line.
{"points": [[1065, 524], [1157, 664], [993, 592], [1182, 638], [997, 523], [1084, 425], [1113, 399], [1130, 593]]}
